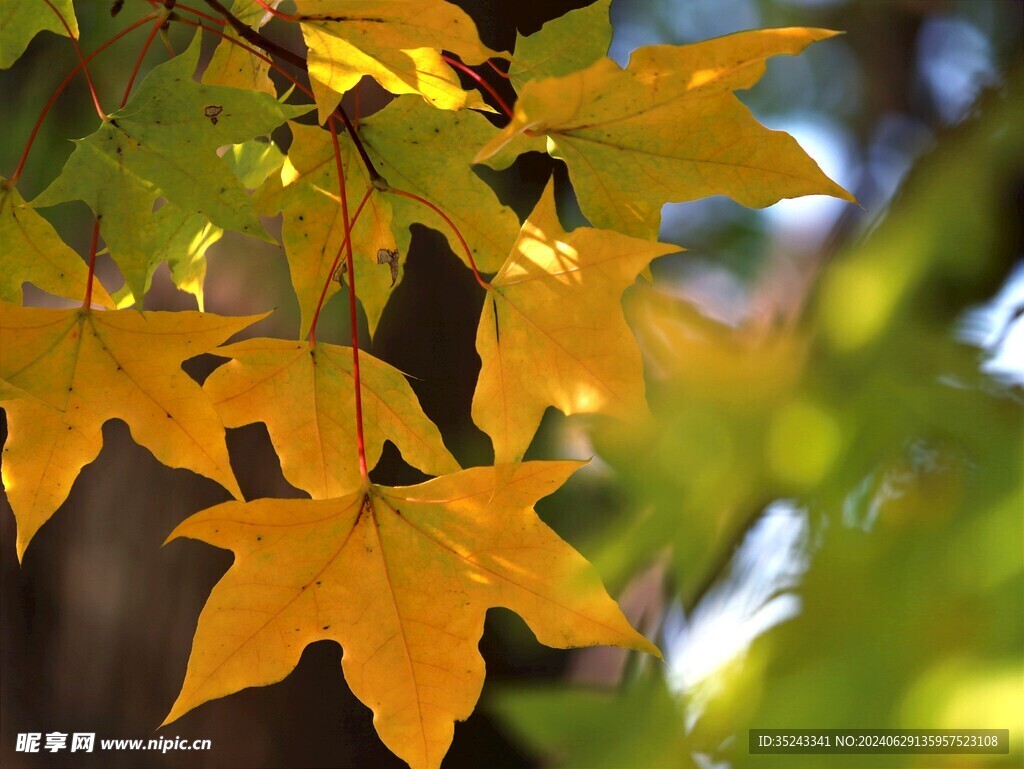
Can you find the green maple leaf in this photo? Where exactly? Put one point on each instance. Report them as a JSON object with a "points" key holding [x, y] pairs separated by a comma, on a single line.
{"points": [[429, 152], [180, 239], [563, 45], [21, 20], [164, 143], [254, 161]]}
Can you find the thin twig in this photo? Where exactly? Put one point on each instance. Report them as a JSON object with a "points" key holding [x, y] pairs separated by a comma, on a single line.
{"points": [[81, 58], [481, 82], [465, 246], [353, 320], [87, 302], [138, 62], [60, 89]]}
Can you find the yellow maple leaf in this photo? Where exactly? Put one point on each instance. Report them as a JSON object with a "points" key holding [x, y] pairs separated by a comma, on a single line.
{"points": [[306, 396], [84, 367], [402, 579], [313, 229], [31, 251], [232, 64], [396, 42], [668, 129], [418, 149], [552, 331]]}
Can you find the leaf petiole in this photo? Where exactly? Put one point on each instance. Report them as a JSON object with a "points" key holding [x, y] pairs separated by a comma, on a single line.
{"points": [[334, 265], [142, 55], [481, 82], [87, 302], [64, 84], [81, 58], [357, 385], [465, 246]]}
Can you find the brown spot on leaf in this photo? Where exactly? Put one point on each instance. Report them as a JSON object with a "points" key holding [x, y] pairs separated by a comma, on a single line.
{"points": [[340, 272], [389, 257]]}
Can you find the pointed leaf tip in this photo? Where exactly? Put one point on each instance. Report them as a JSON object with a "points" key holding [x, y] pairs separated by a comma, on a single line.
{"points": [[668, 129], [531, 358], [113, 364], [402, 578]]}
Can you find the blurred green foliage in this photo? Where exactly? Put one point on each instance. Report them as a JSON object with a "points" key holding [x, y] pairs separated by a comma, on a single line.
{"points": [[906, 457]]}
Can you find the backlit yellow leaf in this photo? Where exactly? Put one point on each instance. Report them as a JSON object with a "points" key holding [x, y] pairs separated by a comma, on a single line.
{"points": [[668, 129], [552, 332], [306, 396], [84, 367], [563, 45], [10, 392], [233, 65], [396, 42], [314, 228], [402, 579], [31, 251]]}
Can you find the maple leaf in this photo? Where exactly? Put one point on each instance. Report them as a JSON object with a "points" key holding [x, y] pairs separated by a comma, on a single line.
{"points": [[563, 45], [313, 228], [396, 42], [84, 367], [254, 161], [32, 252], [430, 152], [184, 250], [402, 579], [306, 396], [21, 20], [164, 142], [419, 149], [233, 65], [552, 331], [669, 129], [181, 239], [10, 392]]}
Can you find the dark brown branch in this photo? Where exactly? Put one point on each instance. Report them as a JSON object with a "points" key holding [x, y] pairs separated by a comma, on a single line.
{"points": [[273, 49]]}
